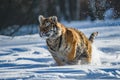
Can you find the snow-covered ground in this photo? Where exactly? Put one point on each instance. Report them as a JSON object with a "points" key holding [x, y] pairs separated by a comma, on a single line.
{"points": [[26, 57]]}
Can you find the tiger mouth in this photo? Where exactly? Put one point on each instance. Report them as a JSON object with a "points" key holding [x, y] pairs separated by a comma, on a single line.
{"points": [[44, 34], [47, 34]]}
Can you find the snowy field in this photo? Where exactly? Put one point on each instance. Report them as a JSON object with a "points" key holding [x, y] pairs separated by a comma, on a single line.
{"points": [[27, 58]]}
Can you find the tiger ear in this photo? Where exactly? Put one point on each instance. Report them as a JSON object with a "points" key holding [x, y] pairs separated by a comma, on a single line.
{"points": [[41, 18], [54, 19]]}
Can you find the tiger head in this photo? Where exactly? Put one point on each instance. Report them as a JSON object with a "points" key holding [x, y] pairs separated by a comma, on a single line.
{"points": [[48, 27]]}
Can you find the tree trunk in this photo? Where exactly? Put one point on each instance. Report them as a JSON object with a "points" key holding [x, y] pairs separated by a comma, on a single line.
{"points": [[77, 9], [67, 12], [58, 12]]}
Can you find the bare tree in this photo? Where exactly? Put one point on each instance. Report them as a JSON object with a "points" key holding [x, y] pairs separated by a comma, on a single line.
{"points": [[98, 7]]}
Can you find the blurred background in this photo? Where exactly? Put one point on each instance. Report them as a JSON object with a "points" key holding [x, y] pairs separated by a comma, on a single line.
{"points": [[22, 15]]}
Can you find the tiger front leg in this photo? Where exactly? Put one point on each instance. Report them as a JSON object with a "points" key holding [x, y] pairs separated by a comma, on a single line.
{"points": [[58, 61]]}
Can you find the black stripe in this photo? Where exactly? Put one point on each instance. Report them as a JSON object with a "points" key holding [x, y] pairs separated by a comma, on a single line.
{"points": [[60, 41]]}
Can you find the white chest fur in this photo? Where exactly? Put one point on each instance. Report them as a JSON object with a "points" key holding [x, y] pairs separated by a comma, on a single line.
{"points": [[60, 51]]}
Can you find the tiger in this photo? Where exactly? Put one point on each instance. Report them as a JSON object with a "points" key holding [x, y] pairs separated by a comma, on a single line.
{"points": [[68, 46]]}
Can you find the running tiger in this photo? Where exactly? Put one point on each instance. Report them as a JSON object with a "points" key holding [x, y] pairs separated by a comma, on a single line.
{"points": [[66, 45]]}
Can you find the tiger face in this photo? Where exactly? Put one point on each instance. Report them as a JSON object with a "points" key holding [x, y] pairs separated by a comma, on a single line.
{"points": [[48, 27]]}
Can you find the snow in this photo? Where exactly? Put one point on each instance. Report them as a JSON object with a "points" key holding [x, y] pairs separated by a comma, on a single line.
{"points": [[27, 58]]}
